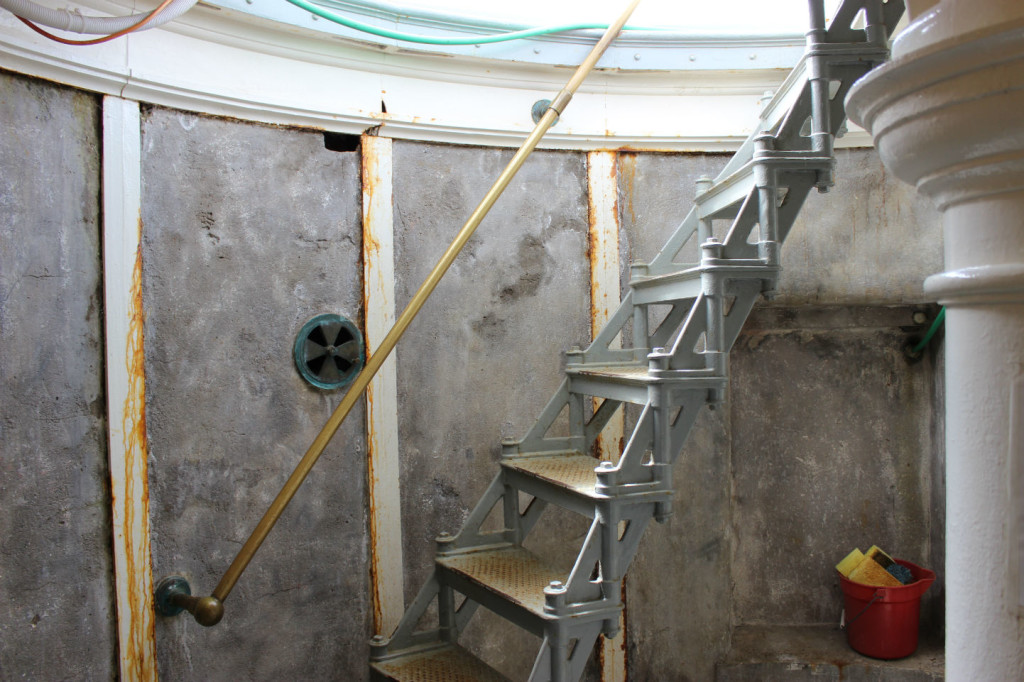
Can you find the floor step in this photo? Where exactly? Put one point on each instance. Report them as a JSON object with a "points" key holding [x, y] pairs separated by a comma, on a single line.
{"points": [[625, 383], [724, 199], [500, 578], [686, 285], [449, 663], [566, 479], [677, 286], [629, 383], [819, 654], [572, 471]]}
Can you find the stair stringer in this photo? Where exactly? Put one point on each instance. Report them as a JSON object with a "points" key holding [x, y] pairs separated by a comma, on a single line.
{"points": [[670, 372]]}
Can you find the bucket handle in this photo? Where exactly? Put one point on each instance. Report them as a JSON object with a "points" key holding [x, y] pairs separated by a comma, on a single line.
{"points": [[843, 624]]}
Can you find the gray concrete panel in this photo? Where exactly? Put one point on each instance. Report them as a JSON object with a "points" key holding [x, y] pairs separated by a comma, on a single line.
{"points": [[685, 562], [656, 192], [487, 352], [832, 438], [248, 231], [870, 240], [56, 581], [678, 588]]}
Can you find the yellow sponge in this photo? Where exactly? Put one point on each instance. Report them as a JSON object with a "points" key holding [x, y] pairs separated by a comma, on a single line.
{"points": [[850, 562], [880, 557], [871, 570]]}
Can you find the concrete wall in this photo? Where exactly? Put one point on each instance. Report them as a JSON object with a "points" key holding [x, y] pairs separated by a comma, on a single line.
{"points": [[832, 440], [684, 562], [487, 351], [250, 230], [56, 580]]}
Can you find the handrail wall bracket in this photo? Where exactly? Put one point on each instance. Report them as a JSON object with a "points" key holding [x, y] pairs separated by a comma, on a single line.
{"points": [[174, 595]]}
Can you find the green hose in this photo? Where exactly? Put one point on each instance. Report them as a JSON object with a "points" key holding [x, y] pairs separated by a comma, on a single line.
{"points": [[430, 40], [931, 332]]}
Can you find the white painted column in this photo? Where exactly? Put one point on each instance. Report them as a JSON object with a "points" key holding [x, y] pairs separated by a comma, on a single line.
{"points": [[946, 115], [386, 567], [602, 186], [126, 410]]}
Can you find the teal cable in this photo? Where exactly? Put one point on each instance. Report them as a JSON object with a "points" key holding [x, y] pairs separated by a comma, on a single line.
{"points": [[430, 40], [931, 331]]}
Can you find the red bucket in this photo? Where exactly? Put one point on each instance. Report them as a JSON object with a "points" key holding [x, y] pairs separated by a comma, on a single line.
{"points": [[882, 622]]}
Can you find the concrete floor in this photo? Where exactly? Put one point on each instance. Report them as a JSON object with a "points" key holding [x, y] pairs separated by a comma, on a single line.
{"points": [[819, 653]]}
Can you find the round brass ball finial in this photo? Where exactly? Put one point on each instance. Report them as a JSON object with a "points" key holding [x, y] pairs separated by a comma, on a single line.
{"points": [[208, 611]]}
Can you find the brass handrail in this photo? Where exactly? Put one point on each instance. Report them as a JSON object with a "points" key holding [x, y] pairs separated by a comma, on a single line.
{"points": [[209, 610]]}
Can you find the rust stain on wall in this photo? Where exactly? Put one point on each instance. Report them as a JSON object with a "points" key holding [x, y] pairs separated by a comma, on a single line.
{"points": [[603, 200], [371, 250], [611, 671], [627, 169], [138, 661], [600, 306], [376, 578]]}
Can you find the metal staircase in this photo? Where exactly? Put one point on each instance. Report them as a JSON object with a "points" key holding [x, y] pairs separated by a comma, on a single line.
{"points": [[674, 368]]}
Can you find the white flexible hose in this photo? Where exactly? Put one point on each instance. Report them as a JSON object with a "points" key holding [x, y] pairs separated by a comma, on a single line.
{"points": [[72, 20]]}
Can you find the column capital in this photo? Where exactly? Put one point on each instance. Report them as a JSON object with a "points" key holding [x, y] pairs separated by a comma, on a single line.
{"points": [[945, 114]]}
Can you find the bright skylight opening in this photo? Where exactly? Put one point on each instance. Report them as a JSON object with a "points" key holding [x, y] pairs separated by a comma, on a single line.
{"points": [[725, 17]]}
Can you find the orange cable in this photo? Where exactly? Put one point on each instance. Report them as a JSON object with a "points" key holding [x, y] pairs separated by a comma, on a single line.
{"points": [[95, 41]]}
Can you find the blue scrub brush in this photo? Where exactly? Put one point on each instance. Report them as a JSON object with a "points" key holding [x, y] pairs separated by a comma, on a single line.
{"points": [[901, 573]]}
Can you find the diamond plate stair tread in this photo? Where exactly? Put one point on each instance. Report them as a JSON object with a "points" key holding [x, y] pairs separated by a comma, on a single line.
{"points": [[573, 471], [446, 664], [513, 572]]}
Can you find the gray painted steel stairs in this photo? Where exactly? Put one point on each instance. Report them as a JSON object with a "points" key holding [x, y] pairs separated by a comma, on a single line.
{"points": [[671, 371]]}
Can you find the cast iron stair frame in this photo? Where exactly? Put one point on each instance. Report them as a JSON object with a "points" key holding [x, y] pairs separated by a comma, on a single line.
{"points": [[670, 372]]}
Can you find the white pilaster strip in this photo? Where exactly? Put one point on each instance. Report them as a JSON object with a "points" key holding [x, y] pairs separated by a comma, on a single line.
{"points": [[604, 268], [382, 394], [602, 186], [126, 410]]}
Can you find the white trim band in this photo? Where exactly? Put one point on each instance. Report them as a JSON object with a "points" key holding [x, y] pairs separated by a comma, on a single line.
{"points": [[226, 63]]}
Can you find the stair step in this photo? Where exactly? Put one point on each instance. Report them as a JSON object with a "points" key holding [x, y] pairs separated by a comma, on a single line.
{"points": [[448, 663], [630, 383], [625, 383], [566, 479], [573, 471], [500, 578], [724, 198], [686, 284], [677, 286]]}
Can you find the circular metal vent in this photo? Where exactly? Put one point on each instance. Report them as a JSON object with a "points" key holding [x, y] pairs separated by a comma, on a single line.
{"points": [[329, 351]]}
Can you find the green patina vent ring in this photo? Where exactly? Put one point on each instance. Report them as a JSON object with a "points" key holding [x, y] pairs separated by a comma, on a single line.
{"points": [[329, 351]]}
